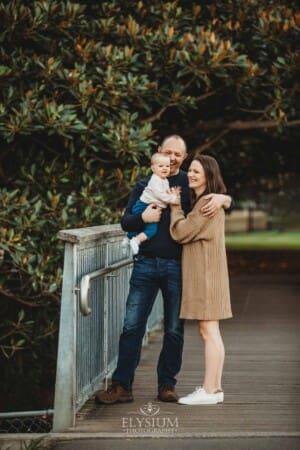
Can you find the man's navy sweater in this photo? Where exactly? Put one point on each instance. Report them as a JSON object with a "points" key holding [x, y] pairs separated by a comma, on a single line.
{"points": [[161, 245]]}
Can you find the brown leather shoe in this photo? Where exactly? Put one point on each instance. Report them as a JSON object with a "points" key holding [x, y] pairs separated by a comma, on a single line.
{"points": [[114, 394], [167, 394]]}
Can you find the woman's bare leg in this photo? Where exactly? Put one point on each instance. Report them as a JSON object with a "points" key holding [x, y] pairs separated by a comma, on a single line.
{"points": [[214, 355]]}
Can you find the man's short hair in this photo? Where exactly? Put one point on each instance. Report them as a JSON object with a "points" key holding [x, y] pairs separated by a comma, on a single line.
{"points": [[174, 136]]}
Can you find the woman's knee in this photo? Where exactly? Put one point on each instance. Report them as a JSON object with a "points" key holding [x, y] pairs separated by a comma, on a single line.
{"points": [[208, 329], [202, 329]]}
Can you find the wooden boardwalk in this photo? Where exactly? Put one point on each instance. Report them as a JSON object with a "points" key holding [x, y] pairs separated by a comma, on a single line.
{"points": [[261, 374]]}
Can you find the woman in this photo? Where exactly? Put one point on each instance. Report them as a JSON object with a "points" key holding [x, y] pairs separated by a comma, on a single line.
{"points": [[205, 295]]}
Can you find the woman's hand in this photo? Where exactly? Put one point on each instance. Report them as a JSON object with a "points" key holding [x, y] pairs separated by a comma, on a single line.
{"points": [[216, 202]]}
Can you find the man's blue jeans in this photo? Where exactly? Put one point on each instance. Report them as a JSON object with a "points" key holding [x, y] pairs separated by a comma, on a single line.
{"points": [[148, 276]]}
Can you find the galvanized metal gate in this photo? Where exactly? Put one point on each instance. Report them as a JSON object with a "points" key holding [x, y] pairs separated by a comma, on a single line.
{"points": [[95, 287]]}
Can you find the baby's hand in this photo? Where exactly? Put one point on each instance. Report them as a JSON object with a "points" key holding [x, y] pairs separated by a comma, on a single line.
{"points": [[175, 191]]}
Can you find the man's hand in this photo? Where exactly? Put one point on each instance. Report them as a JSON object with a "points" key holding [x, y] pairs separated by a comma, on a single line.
{"points": [[151, 214], [216, 202]]}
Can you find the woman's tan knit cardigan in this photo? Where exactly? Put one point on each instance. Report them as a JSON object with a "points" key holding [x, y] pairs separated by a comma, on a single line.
{"points": [[205, 284]]}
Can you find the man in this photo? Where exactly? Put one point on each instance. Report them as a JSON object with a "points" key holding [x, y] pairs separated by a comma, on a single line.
{"points": [[157, 266]]}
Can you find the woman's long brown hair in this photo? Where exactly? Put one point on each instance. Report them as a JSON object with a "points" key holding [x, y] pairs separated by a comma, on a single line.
{"points": [[214, 180]]}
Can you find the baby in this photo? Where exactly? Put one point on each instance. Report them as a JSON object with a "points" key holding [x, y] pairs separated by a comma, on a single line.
{"points": [[158, 192]]}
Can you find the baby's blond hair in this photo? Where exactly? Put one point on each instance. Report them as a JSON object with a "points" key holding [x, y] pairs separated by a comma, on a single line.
{"points": [[156, 156]]}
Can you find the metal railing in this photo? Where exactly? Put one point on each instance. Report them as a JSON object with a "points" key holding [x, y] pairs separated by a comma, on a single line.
{"points": [[95, 288]]}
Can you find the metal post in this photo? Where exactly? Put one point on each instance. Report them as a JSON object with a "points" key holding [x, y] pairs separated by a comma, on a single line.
{"points": [[65, 391], [105, 344]]}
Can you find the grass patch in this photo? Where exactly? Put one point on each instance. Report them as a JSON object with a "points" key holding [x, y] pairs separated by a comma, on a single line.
{"points": [[263, 240]]}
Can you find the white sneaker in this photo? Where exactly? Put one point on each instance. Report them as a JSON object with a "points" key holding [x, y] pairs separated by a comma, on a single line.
{"points": [[201, 397], [220, 395], [135, 245]]}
